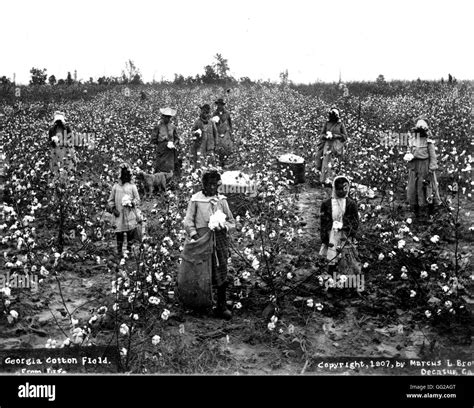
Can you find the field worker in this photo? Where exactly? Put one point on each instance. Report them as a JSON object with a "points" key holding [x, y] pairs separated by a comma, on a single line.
{"points": [[331, 143], [422, 190], [123, 202], [207, 223], [165, 137], [339, 224], [63, 153], [225, 141], [204, 135]]}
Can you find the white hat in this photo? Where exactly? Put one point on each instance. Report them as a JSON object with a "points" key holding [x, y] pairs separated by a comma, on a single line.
{"points": [[421, 124], [58, 115], [168, 112]]}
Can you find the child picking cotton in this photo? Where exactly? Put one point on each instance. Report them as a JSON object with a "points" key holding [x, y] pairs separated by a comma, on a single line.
{"points": [[339, 224], [123, 201]]}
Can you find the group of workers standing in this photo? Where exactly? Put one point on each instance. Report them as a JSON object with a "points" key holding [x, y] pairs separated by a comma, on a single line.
{"points": [[209, 219], [211, 135]]}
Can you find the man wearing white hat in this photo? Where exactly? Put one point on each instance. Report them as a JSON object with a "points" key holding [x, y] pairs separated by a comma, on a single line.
{"points": [[165, 136], [63, 153]]}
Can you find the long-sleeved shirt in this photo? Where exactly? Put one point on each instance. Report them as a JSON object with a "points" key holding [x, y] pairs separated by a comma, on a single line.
{"points": [[164, 132], [225, 122], [200, 209], [350, 219], [127, 219], [337, 129], [207, 140], [423, 148]]}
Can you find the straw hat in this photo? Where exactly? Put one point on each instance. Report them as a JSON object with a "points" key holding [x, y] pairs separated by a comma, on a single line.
{"points": [[168, 112], [58, 115], [421, 124]]}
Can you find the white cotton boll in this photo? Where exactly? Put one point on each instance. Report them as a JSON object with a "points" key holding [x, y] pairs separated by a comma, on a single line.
{"points": [[124, 330], [217, 220], [434, 239], [165, 314], [216, 119], [126, 201], [408, 157]]}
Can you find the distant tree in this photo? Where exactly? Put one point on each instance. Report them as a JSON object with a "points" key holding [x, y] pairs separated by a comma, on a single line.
{"points": [[91, 80], [284, 78], [5, 81], [210, 75], [136, 80], [380, 79], [52, 80], [450, 79], [190, 80], [178, 79], [131, 74], [61, 82], [38, 76], [69, 80], [221, 66]]}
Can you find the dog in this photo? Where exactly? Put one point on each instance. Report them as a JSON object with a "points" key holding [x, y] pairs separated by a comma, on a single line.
{"points": [[150, 182]]}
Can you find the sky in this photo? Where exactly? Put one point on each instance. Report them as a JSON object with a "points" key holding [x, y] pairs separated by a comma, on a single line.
{"points": [[314, 40]]}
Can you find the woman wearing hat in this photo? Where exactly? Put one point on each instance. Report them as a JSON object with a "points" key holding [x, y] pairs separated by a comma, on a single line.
{"points": [[204, 135], [63, 154], [422, 190], [225, 142], [165, 136], [332, 138]]}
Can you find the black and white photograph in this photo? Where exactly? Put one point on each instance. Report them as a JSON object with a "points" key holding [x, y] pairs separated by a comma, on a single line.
{"points": [[237, 189]]}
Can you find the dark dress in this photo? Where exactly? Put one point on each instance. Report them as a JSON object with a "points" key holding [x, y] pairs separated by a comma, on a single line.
{"points": [[324, 147], [166, 158], [350, 219], [63, 153]]}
